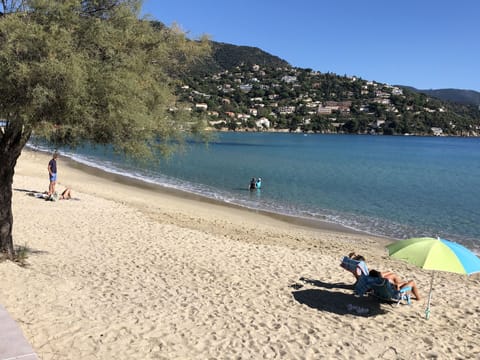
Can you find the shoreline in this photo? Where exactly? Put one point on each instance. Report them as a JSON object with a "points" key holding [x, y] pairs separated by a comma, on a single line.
{"points": [[310, 132], [129, 272], [294, 220], [313, 224], [186, 206]]}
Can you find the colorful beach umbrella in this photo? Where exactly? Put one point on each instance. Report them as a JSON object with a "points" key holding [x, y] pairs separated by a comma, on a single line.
{"points": [[435, 254]]}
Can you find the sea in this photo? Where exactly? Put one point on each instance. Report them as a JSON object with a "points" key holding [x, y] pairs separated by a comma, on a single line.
{"points": [[393, 186]]}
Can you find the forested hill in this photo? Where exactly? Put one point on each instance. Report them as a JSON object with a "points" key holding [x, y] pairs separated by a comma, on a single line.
{"points": [[227, 56], [468, 97], [245, 88]]}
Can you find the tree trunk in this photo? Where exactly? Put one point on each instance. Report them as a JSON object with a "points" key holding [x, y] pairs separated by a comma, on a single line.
{"points": [[12, 140]]}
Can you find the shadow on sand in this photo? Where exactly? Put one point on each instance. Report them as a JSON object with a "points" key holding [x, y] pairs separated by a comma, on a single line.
{"points": [[335, 301], [26, 190], [326, 285]]}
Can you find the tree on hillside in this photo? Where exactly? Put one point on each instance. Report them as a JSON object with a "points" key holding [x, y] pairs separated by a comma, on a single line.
{"points": [[86, 70]]}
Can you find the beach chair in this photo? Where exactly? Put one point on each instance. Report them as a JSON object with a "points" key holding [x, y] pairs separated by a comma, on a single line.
{"points": [[365, 283], [382, 289], [356, 267]]}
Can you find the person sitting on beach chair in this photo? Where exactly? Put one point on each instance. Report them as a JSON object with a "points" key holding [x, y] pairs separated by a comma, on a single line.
{"points": [[382, 289], [355, 264], [397, 282]]}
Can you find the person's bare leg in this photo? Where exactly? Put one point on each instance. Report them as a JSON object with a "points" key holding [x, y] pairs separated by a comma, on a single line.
{"points": [[414, 288], [51, 188]]}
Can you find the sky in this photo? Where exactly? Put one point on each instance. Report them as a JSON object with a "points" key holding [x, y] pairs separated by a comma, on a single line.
{"points": [[427, 44]]}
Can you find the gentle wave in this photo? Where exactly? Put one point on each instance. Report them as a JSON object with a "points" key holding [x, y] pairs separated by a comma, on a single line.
{"points": [[294, 199], [218, 195]]}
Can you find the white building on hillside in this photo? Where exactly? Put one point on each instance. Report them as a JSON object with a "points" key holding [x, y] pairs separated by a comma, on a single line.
{"points": [[263, 122]]}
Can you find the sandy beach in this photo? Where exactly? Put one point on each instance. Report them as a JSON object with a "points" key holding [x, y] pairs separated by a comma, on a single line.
{"points": [[133, 271]]}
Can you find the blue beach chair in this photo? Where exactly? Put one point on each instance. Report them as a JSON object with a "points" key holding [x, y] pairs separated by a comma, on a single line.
{"points": [[382, 289], [365, 283], [356, 267]]}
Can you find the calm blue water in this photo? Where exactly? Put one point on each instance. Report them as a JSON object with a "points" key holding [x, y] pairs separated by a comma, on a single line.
{"points": [[394, 186]]}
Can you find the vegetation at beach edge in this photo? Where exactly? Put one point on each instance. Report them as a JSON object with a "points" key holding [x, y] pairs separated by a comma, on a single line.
{"points": [[88, 71]]}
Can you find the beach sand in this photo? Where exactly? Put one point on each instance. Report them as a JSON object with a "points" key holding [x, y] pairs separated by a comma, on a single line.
{"points": [[140, 272]]}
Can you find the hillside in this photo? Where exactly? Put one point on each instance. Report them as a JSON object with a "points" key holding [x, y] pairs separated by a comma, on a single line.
{"points": [[227, 56], [467, 97], [245, 88]]}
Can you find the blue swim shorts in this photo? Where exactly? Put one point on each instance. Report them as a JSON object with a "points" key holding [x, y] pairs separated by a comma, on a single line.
{"points": [[53, 177]]}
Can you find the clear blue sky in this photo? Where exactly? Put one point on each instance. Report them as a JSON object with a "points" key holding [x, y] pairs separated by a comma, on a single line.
{"points": [[428, 44]]}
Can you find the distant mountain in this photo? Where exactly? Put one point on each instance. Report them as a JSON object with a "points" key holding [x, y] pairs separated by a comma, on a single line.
{"points": [[466, 97], [259, 97], [247, 89], [228, 56]]}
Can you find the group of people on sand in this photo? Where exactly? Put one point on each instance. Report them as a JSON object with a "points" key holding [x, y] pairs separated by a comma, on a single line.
{"points": [[255, 183], [393, 278], [52, 176]]}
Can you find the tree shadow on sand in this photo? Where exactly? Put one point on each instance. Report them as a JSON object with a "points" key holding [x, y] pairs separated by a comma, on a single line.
{"points": [[336, 302], [26, 190]]}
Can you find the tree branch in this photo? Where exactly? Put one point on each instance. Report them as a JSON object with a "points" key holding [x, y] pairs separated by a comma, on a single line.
{"points": [[12, 6]]}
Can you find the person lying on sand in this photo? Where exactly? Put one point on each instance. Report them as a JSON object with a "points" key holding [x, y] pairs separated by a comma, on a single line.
{"points": [[396, 281], [66, 194]]}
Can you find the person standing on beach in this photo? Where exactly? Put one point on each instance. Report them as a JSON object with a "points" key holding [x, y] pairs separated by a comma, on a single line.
{"points": [[52, 173]]}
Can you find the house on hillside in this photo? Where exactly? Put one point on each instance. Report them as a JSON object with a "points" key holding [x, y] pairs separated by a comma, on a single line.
{"points": [[246, 88], [263, 122], [324, 110], [243, 116], [286, 110], [201, 106], [397, 91], [289, 79]]}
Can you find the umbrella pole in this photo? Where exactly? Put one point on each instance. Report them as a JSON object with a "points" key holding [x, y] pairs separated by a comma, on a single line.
{"points": [[427, 310]]}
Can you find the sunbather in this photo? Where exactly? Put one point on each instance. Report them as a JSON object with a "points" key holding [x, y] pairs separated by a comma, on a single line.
{"points": [[355, 264], [396, 281], [66, 194]]}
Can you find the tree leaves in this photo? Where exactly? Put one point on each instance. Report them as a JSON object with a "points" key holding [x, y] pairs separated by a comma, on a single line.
{"points": [[93, 71]]}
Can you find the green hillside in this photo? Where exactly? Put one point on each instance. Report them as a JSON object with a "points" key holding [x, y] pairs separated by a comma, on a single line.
{"points": [[246, 88], [467, 97], [259, 92], [227, 56]]}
